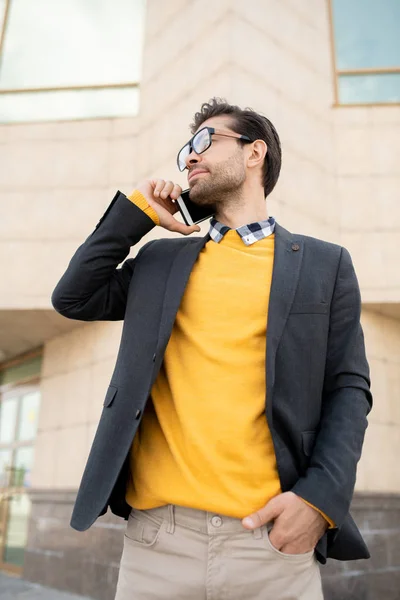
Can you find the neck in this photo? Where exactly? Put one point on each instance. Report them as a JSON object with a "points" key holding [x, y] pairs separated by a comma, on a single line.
{"points": [[244, 209]]}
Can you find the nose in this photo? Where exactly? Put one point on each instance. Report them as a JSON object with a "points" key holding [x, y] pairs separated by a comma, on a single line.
{"points": [[192, 159]]}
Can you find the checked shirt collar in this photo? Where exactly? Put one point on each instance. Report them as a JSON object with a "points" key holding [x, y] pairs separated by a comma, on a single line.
{"points": [[249, 233]]}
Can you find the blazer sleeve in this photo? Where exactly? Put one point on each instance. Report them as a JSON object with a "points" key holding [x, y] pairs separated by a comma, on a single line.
{"points": [[93, 288], [329, 481]]}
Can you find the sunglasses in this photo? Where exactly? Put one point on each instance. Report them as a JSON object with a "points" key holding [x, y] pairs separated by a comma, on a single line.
{"points": [[200, 142]]}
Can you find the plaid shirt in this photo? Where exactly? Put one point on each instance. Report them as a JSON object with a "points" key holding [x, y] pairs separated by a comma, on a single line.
{"points": [[249, 233]]}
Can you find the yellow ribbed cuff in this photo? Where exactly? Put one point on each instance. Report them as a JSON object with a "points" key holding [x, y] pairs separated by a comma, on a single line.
{"points": [[137, 198], [331, 523]]}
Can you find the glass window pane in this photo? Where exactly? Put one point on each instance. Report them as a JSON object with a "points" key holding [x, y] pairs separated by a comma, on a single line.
{"points": [[366, 33], [369, 89], [23, 467], [82, 104], [17, 529], [28, 368], [8, 416], [72, 43], [5, 468], [29, 416]]}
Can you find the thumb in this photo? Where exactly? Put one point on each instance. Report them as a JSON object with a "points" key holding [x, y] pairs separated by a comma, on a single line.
{"points": [[268, 513], [182, 228]]}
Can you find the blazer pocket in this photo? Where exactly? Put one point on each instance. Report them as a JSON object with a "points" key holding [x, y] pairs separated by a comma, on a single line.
{"points": [[308, 441], [299, 308], [110, 395]]}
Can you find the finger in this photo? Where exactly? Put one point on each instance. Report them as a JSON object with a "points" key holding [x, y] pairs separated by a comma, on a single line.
{"points": [[286, 538], [174, 208], [268, 513], [276, 537], [294, 549], [176, 192], [184, 229], [170, 204], [167, 189], [158, 187]]}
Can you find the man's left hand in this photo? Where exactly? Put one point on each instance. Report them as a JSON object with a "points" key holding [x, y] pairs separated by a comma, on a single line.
{"points": [[297, 526]]}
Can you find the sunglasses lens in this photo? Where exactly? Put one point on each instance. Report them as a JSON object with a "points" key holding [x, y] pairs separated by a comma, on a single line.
{"points": [[201, 141], [182, 156]]}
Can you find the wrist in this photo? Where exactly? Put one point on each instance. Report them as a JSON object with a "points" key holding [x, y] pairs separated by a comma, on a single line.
{"points": [[138, 198], [323, 517]]}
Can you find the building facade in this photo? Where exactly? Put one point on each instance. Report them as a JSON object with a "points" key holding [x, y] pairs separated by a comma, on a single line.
{"points": [[69, 138]]}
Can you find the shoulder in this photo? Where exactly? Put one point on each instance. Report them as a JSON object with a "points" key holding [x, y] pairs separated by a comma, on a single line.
{"points": [[313, 243], [291, 236], [172, 243], [309, 243], [164, 247], [327, 255], [316, 251], [339, 254]]}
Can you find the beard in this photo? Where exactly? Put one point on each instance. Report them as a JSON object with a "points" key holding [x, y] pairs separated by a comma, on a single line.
{"points": [[223, 186]]}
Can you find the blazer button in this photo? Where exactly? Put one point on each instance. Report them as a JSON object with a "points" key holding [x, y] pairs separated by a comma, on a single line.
{"points": [[295, 247], [138, 413], [154, 357]]}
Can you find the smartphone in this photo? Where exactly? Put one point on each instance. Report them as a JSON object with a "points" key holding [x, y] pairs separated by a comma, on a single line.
{"points": [[193, 213]]}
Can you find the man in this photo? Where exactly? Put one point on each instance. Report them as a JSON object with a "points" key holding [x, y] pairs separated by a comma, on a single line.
{"points": [[236, 412]]}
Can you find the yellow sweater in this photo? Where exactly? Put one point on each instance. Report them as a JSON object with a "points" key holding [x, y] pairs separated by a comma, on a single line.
{"points": [[204, 440]]}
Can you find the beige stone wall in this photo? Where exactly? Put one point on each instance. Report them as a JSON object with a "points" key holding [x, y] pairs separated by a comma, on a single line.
{"points": [[77, 369], [378, 468], [56, 179], [338, 183], [367, 146]]}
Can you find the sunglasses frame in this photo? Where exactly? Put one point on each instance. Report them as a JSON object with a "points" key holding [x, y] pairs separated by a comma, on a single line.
{"points": [[212, 131]]}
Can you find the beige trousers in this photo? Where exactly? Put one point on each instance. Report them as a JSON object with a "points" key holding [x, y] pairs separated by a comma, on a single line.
{"points": [[177, 553]]}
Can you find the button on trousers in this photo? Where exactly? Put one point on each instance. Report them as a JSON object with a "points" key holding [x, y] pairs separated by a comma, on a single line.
{"points": [[181, 553]]}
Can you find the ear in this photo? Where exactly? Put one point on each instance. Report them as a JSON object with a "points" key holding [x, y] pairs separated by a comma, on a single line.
{"points": [[258, 150]]}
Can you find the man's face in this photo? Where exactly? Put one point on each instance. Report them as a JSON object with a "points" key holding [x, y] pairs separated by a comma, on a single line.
{"points": [[219, 172]]}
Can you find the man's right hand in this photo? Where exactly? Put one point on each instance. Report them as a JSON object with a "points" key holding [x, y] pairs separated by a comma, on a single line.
{"points": [[160, 195]]}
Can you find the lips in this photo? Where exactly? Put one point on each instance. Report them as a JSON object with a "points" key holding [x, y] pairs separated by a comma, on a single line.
{"points": [[196, 172]]}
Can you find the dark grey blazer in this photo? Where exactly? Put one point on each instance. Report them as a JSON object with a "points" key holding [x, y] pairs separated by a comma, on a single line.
{"points": [[317, 395]]}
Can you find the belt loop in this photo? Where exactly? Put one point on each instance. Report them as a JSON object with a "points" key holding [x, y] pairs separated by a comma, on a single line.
{"points": [[257, 533], [171, 519]]}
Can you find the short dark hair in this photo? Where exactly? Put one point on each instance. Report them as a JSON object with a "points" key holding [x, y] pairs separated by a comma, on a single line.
{"points": [[247, 122]]}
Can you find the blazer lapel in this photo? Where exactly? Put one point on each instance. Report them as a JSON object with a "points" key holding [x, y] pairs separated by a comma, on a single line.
{"points": [[288, 256], [177, 280]]}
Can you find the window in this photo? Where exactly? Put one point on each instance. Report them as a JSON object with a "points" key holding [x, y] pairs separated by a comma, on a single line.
{"points": [[69, 59], [19, 416], [367, 51]]}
